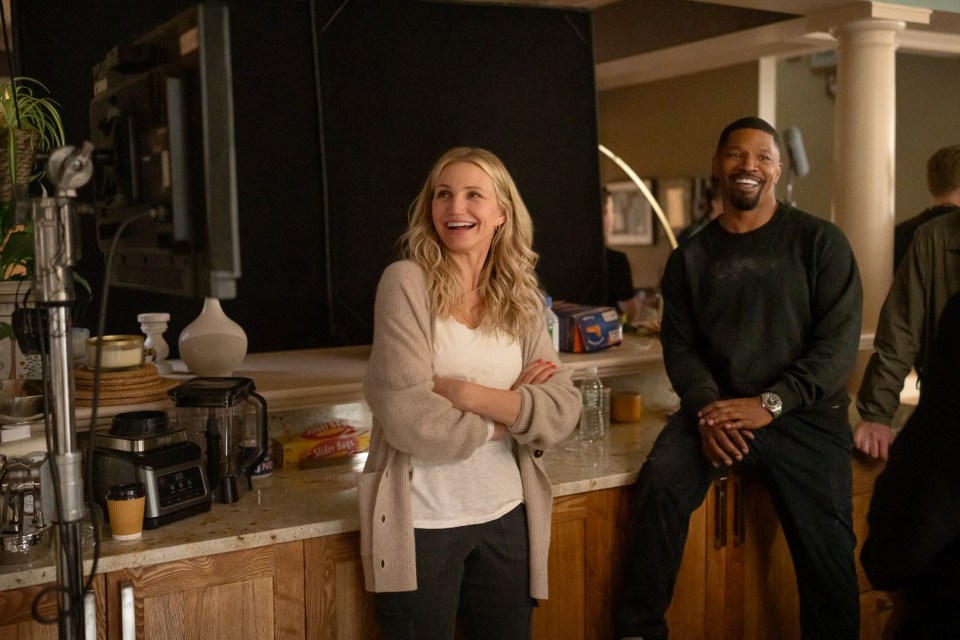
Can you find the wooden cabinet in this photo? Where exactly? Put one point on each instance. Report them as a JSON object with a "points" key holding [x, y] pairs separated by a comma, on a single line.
{"points": [[586, 548], [253, 593], [736, 580], [876, 607], [338, 607], [16, 615]]}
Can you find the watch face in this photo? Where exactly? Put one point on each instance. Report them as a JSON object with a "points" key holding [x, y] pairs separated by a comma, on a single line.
{"points": [[772, 403]]}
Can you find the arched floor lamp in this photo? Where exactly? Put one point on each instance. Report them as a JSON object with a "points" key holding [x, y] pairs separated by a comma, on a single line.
{"points": [[643, 189]]}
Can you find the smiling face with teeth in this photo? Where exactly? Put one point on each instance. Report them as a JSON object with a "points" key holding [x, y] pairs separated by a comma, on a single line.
{"points": [[748, 167], [466, 211]]}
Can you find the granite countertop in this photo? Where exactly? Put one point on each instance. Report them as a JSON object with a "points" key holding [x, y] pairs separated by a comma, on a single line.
{"points": [[308, 378], [298, 504]]}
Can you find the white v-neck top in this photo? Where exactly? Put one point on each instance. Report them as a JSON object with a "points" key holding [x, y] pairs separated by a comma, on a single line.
{"points": [[454, 493]]}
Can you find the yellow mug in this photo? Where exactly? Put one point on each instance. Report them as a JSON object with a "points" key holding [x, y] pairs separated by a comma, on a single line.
{"points": [[627, 407]]}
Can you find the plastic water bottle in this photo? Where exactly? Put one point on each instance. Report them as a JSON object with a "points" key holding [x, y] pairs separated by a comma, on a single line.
{"points": [[553, 323], [591, 413]]}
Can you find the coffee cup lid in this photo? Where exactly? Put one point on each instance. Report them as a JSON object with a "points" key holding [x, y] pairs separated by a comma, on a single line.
{"points": [[126, 491]]}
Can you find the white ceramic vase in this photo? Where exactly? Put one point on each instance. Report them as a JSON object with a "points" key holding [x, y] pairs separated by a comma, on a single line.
{"points": [[212, 345]]}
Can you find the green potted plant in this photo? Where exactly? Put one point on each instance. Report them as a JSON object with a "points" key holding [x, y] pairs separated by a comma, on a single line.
{"points": [[28, 123]]}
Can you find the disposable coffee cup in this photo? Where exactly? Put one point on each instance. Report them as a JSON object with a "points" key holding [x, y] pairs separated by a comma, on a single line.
{"points": [[125, 503]]}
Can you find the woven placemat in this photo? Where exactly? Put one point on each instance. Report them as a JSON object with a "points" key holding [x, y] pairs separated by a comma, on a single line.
{"points": [[117, 384], [151, 393], [86, 374]]}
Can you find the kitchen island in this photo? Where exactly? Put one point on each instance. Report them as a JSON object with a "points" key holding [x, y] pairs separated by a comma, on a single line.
{"points": [[297, 504], [293, 539]]}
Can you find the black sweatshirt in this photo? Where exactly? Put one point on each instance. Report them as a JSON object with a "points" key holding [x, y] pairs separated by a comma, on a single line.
{"points": [[775, 309]]}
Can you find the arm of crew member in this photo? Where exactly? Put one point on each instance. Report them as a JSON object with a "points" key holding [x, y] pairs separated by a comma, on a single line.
{"points": [[873, 439], [500, 405]]}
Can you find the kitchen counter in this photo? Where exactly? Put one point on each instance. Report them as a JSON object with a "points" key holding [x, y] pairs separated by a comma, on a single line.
{"points": [[309, 378], [298, 504]]}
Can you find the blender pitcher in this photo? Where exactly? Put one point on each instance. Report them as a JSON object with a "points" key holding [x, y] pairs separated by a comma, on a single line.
{"points": [[214, 412]]}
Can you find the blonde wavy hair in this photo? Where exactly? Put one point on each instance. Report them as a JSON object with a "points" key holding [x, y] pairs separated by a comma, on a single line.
{"points": [[508, 282]]}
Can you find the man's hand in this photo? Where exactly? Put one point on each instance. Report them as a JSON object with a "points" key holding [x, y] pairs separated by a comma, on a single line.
{"points": [[723, 446], [873, 439], [736, 413], [725, 428]]}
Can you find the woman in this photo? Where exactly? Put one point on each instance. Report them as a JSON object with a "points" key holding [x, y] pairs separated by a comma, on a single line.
{"points": [[465, 393]]}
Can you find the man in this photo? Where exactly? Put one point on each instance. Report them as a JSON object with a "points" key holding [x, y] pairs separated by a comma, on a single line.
{"points": [[914, 519], [760, 330], [943, 181], [922, 284]]}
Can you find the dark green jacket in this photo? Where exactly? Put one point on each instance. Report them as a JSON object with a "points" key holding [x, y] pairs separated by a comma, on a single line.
{"points": [[924, 281]]}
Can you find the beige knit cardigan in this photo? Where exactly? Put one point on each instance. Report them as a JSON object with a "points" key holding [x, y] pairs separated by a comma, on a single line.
{"points": [[409, 419]]}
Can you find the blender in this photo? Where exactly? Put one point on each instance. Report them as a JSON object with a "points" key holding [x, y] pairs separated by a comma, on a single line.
{"points": [[216, 412]]}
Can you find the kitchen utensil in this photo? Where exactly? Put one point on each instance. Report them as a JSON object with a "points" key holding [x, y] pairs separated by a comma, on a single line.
{"points": [[140, 446], [25, 533], [216, 411]]}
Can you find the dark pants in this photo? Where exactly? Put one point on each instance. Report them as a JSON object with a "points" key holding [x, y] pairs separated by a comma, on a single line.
{"points": [[480, 571], [807, 471]]}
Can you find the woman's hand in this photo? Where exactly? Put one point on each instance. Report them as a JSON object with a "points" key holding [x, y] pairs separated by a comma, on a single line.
{"points": [[500, 405], [537, 372]]}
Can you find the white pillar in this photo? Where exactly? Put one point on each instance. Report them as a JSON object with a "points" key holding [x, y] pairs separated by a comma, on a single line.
{"points": [[864, 152]]}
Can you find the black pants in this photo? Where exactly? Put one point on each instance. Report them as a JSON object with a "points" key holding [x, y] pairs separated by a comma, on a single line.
{"points": [[480, 572], [807, 471]]}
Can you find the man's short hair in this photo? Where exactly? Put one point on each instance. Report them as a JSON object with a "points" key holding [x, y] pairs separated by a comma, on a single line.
{"points": [[943, 171], [751, 122]]}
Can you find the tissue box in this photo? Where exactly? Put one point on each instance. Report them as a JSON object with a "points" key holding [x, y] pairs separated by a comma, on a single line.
{"points": [[585, 328], [323, 444]]}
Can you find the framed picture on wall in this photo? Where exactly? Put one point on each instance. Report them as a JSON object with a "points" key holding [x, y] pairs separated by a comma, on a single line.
{"points": [[676, 200], [632, 214]]}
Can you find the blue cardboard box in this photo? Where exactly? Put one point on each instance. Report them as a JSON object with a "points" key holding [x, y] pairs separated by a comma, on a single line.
{"points": [[587, 328]]}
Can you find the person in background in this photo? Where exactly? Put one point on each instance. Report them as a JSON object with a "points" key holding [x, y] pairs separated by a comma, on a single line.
{"points": [[913, 547], [621, 294], [711, 206], [928, 276], [465, 392], [761, 328], [943, 182]]}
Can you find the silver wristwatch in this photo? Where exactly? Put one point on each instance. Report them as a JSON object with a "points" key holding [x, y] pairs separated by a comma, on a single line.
{"points": [[772, 403]]}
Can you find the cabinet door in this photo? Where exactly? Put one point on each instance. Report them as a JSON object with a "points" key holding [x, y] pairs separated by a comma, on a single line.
{"points": [[339, 606], [219, 596], [770, 603], [16, 616], [688, 616], [586, 551]]}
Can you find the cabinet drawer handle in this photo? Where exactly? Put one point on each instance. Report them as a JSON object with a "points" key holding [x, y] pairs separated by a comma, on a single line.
{"points": [[90, 615], [128, 620], [720, 513], [739, 515]]}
